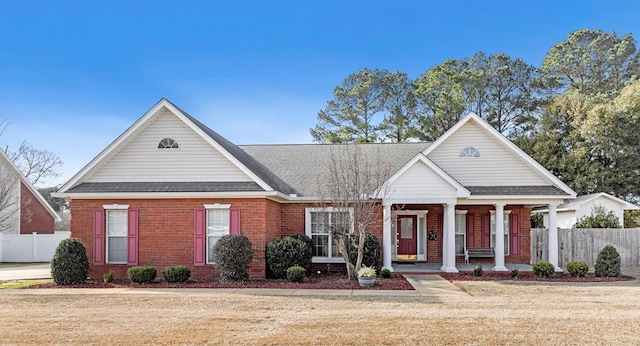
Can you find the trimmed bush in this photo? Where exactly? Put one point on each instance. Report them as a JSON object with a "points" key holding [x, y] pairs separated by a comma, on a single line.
{"points": [[141, 274], [107, 277], [543, 269], [514, 273], [233, 255], [478, 271], [288, 252], [371, 255], [296, 274], [176, 274], [70, 264], [385, 273], [608, 262], [305, 238], [578, 268]]}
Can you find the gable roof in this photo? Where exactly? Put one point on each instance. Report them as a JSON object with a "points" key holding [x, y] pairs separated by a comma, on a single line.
{"points": [[263, 178], [302, 165], [561, 187], [575, 203], [30, 187]]}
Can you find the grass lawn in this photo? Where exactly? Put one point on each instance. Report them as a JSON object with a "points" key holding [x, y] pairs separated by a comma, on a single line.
{"points": [[492, 313]]}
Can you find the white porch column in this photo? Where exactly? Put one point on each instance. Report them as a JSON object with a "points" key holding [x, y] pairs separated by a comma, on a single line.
{"points": [[386, 237], [553, 236], [499, 241], [445, 234], [450, 230]]}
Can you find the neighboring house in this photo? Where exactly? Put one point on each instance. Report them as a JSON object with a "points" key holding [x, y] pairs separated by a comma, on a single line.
{"points": [[167, 188], [570, 212], [23, 210]]}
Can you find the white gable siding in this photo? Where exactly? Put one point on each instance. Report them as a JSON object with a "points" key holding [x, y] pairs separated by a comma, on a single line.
{"points": [[496, 166], [419, 181], [586, 208], [141, 160], [10, 189]]}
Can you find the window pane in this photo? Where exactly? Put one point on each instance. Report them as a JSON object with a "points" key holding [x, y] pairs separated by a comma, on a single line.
{"points": [[218, 221], [211, 241], [319, 223], [117, 249], [406, 228], [340, 221], [461, 223], [117, 222], [460, 244], [506, 244], [320, 245]]}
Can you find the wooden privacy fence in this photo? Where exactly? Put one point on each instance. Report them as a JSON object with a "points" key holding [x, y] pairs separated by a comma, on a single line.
{"points": [[585, 244]]}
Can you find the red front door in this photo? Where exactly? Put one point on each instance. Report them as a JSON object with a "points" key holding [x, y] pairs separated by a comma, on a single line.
{"points": [[406, 234]]}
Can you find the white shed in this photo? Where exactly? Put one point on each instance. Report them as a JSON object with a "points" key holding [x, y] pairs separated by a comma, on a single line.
{"points": [[572, 210]]}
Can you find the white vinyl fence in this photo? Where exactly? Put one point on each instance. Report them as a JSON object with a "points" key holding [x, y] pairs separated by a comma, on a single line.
{"points": [[29, 247], [585, 244]]}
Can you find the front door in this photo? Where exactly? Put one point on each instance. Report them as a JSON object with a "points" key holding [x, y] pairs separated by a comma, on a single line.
{"points": [[407, 236]]}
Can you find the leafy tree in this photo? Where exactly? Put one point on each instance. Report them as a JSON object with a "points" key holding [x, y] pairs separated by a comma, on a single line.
{"points": [[58, 204], [400, 107], [592, 62], [351, 115], [599, 218], [443, 95], [631, 218]]}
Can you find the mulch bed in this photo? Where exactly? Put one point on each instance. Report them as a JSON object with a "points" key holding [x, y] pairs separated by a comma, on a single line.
{"points": [[528, 276], [396, 282]]}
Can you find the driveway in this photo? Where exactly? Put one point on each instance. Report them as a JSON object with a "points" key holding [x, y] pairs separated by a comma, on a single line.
{"points": [[25, 271]]}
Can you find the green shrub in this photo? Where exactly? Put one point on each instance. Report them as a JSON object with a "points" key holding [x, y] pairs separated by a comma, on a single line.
{"points": [[385, 273], [70, 264], [107, 277], [608, 262], [371, 255], [578, 268], [514, 273], [141, 274], [296, 274], [478, 271], [233, 255], [287, 252], [176, 273], [543, 269], [305, 238]]}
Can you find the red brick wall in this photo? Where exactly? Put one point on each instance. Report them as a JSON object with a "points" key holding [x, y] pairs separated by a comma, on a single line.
{"points": [[166, 231], [34, 217]]}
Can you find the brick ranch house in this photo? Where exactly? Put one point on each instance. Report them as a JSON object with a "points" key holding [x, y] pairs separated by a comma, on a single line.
{"points": [[23, 210], [167, 188]]}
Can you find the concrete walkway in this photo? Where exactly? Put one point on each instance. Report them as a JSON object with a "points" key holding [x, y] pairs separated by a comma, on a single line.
{"points": [[25, 271]]}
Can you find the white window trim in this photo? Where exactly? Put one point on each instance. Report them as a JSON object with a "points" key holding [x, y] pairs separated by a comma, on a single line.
{"points": [[507, 232], [211, 207], [116, 207], [464, 231], [307, 231], [468, 154]]}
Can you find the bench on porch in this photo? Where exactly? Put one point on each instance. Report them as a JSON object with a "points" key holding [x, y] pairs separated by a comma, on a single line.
{"points": [[478, 252]]}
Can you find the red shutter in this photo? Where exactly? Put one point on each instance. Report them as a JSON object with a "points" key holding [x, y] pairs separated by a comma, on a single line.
{"points": [[98, 237], [486, 230], [440, 233], [199, 242], [132, 239], [515, 230], [470, 231], [234, 221]]}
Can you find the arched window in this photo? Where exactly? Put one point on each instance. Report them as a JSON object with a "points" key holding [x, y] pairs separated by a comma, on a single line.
{"points": [[168, 143], [469, 152]]}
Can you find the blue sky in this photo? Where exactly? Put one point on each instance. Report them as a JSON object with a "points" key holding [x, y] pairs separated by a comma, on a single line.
{"points": [[76, 74]]}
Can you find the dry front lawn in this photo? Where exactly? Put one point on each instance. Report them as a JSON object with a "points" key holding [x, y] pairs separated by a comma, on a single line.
{"points": [[493, 313]]}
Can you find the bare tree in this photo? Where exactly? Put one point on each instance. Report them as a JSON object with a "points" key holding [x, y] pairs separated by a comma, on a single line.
{"points": [[35, 164], [353, 187], [8, 198]]}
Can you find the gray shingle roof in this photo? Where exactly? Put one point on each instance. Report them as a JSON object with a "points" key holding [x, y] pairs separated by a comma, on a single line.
{"points": [[166, 187], [303, 166], [516, 190], [256, 167]]}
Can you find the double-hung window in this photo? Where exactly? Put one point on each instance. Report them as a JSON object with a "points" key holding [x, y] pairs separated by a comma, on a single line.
{"points": [[321, 225], [217, 224], [461, 231], [507, 230], [117, 231]]}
